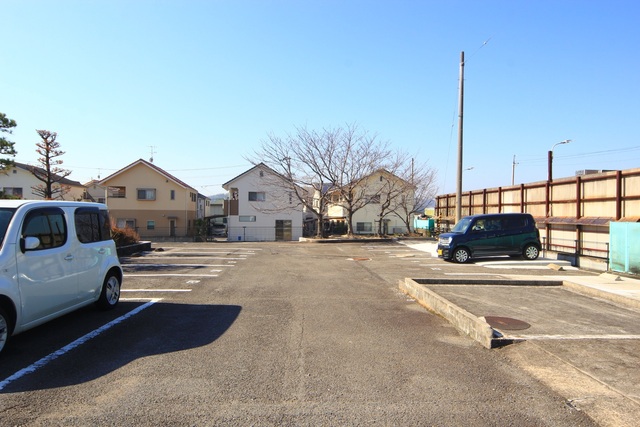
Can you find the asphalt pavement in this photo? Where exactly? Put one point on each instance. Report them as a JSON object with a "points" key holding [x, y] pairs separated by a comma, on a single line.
{"points": [[579, 333]]}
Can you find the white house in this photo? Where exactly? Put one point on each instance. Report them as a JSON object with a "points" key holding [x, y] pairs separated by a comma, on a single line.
{"points": [[18, 182], [260, 208]]}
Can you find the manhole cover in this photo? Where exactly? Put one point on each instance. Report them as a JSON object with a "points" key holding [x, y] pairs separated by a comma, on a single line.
{"points": [[506, 323]]}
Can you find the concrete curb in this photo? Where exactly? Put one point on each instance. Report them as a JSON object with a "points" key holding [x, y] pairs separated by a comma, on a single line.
{"points": [[597, 293], [132, 249], [464, 321]]}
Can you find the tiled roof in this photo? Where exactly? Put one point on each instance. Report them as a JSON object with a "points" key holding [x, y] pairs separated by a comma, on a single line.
{"points": [[60, 180], [151, 166]]}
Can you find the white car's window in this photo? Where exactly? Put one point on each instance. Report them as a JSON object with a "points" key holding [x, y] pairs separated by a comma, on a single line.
{"points": [[92, 225], [48, 225], [5, 219]]}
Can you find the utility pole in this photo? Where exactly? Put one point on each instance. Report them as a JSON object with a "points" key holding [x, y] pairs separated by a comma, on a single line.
{"points": [[513, 170], [460, 122]]}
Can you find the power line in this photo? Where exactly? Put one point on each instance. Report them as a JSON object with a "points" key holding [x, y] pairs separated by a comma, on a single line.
{"points": [[580, 155]]}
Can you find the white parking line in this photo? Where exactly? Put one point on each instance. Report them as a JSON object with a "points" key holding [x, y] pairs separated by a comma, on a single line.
{"points": [[171, 265], [170, 275], [194, 257], [67, 348], [574, 337], [154, 290]]}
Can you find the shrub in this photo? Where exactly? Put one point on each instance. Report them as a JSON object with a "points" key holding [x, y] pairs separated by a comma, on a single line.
{"points": [[124, 236]]}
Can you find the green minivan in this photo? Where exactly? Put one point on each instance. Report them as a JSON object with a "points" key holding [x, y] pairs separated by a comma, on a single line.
{"points": [[475, 236]]}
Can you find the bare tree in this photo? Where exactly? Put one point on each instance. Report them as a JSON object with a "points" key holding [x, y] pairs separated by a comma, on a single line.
{"points": [[357, 157], [49, 172], [336, 166], [301, 161], [6, 146]]}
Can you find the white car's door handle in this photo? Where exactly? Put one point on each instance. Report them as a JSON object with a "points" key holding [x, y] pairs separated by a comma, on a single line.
{"points": [[68, 258]]}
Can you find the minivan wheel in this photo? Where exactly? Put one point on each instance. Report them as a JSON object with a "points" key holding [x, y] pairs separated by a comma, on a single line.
{"points": [[110, 294], [531, 252], [461, 255], [4, 328]]}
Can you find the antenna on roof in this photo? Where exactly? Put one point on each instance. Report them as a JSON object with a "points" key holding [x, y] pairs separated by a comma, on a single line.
{"points": [[152, 153]]}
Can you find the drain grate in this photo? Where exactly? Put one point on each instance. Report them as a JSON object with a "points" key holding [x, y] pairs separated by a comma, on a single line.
{"points": [[506, 323], [360, 259]]}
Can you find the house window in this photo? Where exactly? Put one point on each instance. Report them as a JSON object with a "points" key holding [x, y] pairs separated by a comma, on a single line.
{"points": [[117, 192], [146, 193], [364, 227], [13, 192], [173, 194], [257, 196], [374, 199], [247, 218], [126, 223], [151, 225]]}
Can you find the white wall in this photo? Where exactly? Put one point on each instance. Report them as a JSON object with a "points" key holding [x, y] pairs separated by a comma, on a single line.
{"points": [[276, 206]]}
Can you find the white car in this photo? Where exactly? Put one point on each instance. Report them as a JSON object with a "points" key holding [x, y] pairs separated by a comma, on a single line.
{"points": [[55, 257]]}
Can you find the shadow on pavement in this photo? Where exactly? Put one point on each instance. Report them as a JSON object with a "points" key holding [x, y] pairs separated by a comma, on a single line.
{"points": [[159, 329]]}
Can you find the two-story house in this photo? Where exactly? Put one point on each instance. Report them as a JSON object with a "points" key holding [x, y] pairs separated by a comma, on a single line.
{"points": [[151, 201], [18, 182], [261, 207], [374, 199], [94, 191]]}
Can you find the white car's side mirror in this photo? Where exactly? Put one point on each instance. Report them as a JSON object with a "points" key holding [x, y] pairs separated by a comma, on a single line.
{"points": [[31, 243]]}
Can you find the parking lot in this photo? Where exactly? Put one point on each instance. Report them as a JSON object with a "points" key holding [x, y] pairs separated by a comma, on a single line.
{"points": [[276, 334]]}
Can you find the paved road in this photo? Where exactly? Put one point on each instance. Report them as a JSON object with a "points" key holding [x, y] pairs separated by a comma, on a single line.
{"points": [[271, 334]]}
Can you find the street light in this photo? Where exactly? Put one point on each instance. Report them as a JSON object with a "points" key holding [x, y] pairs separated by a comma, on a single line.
{"points": [[550, 177]]}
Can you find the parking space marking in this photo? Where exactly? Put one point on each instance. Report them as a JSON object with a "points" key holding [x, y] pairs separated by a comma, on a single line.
{"points": [[170, 275], [191, 257], [170, 265], [575, 337], [67, 348], [152, 290]]}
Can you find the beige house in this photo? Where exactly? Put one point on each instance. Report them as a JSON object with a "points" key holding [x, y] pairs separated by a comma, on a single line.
{"points": [[151, 201], [376, 197], [95, 192], [18, 182]]}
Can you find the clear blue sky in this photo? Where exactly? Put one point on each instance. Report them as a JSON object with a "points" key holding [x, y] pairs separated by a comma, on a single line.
{"points": [[203, 82]]}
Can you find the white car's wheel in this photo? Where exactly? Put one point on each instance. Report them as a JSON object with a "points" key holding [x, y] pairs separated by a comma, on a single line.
{"points": [[5, 328], [110, 294]]}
